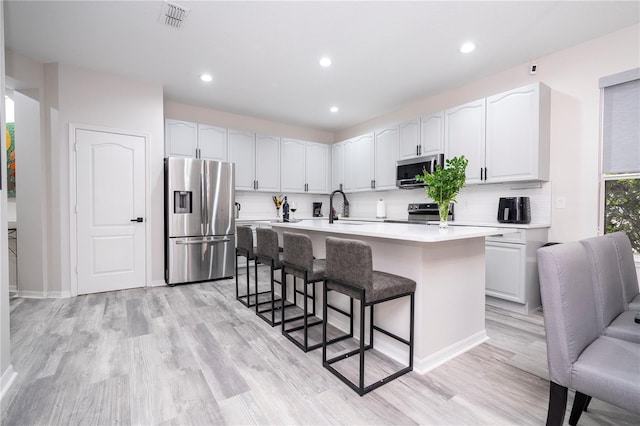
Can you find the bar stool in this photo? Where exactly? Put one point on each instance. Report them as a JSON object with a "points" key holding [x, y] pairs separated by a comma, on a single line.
{"points": [[349, 270], [298, 261], [245, 248], [269, 253]]}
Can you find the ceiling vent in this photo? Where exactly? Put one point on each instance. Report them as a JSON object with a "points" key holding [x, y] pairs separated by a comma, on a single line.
{"points": [[173, 15]]}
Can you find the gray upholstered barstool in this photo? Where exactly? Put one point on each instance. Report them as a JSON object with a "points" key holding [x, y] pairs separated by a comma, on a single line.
{"points": [[268, 253], [298, 261], [349, 270], [244, 247]]}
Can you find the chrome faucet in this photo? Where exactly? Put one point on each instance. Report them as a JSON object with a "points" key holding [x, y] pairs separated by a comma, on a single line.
{"points": [[346, 203]]}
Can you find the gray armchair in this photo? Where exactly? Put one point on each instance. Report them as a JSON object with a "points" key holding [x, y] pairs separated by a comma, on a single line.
{"points": [[628, 273], [613, 319], [579, 357]]}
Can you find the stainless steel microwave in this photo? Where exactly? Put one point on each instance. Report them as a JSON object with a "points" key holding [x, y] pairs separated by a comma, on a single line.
{"points": [[406, 170]]}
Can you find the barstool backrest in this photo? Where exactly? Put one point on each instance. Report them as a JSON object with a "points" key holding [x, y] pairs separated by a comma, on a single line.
{"points": [[349, 261], [245, 239], [267, 244], [298, 250]]}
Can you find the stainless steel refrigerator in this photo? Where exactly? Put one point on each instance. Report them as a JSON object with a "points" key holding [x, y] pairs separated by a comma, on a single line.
{"points": [[199, 220]]}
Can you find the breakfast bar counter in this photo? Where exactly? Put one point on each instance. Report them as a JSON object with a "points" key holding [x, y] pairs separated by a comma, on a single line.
{"points": [[448, 266]]}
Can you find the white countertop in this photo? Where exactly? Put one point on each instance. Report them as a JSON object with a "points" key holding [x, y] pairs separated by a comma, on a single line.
{"points": [[394, 231]]}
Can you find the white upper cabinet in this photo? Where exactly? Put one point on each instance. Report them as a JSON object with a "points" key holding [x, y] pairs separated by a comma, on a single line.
{"points": [[317, 167], [242, 153], [193, 140], [337, 165], [349, 165], [180, 138], [305, 167], [464, 134], [292, 175], [386, 156], [517, 141], [212, 142], [409, 142], [267, 168], [432, 133], [364, 162]]}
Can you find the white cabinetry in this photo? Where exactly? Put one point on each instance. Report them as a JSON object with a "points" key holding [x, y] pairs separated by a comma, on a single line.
{"points": [[212, 142], [193, 140], [180, 138], [317, 167], [257, 160], [409, 141], [432, 133], [464, 134], [305, 167], [386, 156], [242, 152], [512, 270], [267, 163], [517, 135], [337, 165], [362, 161]]}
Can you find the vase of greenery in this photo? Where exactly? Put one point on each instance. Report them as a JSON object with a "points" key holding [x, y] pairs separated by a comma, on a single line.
{"points": [[444, 184]]}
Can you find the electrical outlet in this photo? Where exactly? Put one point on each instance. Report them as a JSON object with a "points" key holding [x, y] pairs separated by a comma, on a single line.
{"points": [[561, 202]]}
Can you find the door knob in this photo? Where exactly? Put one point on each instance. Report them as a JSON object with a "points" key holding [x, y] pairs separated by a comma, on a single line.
{"points": [[138, 219]]}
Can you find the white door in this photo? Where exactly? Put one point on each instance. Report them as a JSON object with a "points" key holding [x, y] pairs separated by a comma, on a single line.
{"points": [[110, 198]]}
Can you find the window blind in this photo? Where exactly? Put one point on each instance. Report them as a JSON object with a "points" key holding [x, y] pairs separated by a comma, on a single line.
{"points": [[621, 128]]}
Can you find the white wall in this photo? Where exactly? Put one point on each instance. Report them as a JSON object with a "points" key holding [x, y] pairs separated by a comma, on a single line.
{"points": [[105, 100], [6, 371], [573, 76], [179, 111]]}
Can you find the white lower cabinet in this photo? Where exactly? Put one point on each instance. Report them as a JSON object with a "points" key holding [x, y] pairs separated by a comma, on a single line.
{"points": [[511, 278]]}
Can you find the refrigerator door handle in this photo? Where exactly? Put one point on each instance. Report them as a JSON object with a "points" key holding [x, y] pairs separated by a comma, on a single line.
{"points": [[204, 241]]}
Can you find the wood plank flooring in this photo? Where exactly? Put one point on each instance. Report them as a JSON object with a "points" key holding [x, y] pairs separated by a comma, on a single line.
{"points": [[193, 355]]}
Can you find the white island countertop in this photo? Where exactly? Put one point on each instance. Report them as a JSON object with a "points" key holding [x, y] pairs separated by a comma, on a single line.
{"points": [[394, 231]]}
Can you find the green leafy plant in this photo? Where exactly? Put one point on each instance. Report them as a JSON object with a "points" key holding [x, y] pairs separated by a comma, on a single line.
{"points": [[444, 184]]}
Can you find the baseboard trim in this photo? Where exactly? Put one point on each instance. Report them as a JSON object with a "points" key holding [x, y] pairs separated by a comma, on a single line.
{"points": [[424, 365], [43, 295], [7, 379]]}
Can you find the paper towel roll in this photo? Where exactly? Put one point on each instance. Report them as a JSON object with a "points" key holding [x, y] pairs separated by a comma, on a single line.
{"points": [[381, 209]]}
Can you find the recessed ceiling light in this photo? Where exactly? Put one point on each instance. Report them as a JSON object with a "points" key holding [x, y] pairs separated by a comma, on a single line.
{"points": [[325, 62], [333, 109], [467, 47], [206, 77]]}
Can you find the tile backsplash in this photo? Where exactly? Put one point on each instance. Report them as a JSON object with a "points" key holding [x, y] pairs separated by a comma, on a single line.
{"points": [[476, 203]]}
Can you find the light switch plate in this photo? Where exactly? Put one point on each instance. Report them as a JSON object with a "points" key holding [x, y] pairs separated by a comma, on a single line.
{"points": [[561, 202]]}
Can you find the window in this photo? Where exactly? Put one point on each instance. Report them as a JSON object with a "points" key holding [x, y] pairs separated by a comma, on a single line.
{"points": [[621, 155]]}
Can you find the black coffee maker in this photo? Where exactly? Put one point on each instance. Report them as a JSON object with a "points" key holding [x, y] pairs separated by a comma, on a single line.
{"points": [[317, 209]]}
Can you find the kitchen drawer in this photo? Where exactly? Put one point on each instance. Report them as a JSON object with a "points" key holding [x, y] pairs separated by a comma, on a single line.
{"points": [[517, 237]]}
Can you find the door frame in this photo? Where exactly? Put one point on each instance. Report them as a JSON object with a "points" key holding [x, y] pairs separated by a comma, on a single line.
{"points": [[73, 187]]}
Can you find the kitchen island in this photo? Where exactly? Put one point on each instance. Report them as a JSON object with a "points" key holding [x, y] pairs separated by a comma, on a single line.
{"points": [[448, 266]]}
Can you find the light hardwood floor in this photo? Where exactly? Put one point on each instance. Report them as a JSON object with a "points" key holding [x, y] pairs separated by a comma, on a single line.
{"points": [[191, 354]]}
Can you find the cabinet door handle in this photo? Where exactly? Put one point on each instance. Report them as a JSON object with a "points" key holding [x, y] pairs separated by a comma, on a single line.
{"points": [[481, 174], [485, 174], [417, 149]]}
